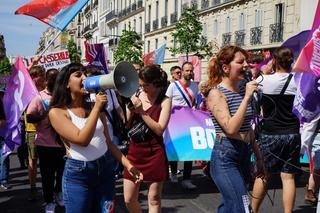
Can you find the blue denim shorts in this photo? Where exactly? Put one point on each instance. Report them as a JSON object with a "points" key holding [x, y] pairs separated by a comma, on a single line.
{"points": [[280, 152], [88, 186]]}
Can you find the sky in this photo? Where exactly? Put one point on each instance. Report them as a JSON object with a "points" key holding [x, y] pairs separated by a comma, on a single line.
{"points": [[21, 33]]}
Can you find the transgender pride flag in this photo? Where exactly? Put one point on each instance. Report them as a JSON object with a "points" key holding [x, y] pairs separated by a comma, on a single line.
{"points": [[56, 13]]}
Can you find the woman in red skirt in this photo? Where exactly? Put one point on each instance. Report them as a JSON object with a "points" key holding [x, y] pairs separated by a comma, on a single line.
{"points": [[150, 107]]}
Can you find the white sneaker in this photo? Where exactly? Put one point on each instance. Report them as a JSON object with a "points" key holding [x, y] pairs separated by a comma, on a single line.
{"points": [[173, 178], [186, 184], [59, 199], [50, 208]]}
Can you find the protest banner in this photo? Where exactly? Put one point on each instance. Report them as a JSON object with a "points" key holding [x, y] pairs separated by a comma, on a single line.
{"points": [[50, 60], [190, 135]]}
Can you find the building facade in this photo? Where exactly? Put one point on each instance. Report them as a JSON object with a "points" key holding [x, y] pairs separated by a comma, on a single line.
{"points": [[255, 25]]}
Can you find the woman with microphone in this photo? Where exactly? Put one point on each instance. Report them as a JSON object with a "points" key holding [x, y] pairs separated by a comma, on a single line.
{"points": [[88, 176], [229, 103]]}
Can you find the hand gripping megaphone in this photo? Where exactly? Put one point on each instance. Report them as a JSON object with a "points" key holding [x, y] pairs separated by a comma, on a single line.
{"points": [[124, 79]]}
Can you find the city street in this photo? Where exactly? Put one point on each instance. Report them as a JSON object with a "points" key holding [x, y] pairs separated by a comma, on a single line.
{"points": [[175, 199]]}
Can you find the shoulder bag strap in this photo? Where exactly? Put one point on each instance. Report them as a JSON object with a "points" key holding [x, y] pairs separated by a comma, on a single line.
{"points": [[286, 84]]}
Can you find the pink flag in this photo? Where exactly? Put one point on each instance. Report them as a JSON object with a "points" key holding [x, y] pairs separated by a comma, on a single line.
{"points": [[20, 91], [309, 58]]}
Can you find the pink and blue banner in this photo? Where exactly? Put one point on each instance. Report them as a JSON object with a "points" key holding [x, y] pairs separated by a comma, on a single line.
{"points": [[19, 92], [190, 135], [57, 14]]}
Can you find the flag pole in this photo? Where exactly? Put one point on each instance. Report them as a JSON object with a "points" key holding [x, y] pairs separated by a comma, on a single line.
{"points": [[51, 42]]}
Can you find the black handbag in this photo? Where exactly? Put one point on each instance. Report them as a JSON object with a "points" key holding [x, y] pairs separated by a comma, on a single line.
{"points": [[140, 131], [119, 128]]}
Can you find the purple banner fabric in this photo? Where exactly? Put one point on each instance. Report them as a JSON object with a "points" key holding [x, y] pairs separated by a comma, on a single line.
{"points": [[190, 135], [307, 100], [20, 91], [96, 56]]}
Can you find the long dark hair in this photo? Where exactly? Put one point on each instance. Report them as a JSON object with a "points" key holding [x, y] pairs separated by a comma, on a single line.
{"points": [[61, 96]]}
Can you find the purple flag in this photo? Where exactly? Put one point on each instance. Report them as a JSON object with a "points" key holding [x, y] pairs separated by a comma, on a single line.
{"points": [[20, 91], [307, 101], [96, 56]]}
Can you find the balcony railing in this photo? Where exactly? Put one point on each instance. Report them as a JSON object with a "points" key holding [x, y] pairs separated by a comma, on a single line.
{"points": [[164, 21], [147, 27], [239, 37], [204, 4], [86, 29], [95, 25], [140, 3], [128, 10], [185, 5], [155, 24], [203, 41], [226, 38], [255, 35], [87, 9], [133, 7], [111, 15], [276, 32], [216, 2], [194, 3], [173, 17]]}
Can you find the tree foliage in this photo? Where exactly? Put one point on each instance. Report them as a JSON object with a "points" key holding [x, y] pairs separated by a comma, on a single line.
{"points": [[188, 35], [74, 54], [5, 66], [130, 48]]}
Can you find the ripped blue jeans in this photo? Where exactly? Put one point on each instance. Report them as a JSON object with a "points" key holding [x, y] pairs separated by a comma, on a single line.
{"points": [[230, 170], [88, 186]]}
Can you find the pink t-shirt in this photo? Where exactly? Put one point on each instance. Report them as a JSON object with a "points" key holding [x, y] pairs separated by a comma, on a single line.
{"points": [[46, 136]]}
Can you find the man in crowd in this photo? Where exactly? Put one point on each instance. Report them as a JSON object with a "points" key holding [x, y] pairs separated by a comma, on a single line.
{"points": [[175, 72], [183, 93]]}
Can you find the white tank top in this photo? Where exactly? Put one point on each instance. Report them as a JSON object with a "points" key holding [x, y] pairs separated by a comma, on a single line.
{"points": [[97, 146]]}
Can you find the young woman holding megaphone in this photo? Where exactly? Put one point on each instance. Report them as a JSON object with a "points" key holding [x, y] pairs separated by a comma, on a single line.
{"points": [[88, 177]]}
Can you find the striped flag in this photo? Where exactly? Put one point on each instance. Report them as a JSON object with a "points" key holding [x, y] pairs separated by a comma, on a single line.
{"points": [[155, 57], [96, 56], [56, 13]]}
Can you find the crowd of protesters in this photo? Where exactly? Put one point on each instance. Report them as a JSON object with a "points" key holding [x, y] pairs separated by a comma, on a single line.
{"points": [[73, 134]]}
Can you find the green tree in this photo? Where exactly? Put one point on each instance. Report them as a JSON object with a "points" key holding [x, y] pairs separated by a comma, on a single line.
{"points": [[73, 51], [129, 48], [188, 35], [5, 66]]}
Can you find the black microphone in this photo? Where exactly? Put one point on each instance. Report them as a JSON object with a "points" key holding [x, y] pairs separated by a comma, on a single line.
{"points": [[255, 97]]}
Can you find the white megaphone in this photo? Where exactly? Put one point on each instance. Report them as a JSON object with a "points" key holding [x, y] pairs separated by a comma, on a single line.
{"points": [[124, 79]]}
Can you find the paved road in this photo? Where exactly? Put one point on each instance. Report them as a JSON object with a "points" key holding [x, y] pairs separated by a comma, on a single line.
{"points": [[175, 199]]}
